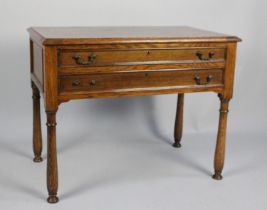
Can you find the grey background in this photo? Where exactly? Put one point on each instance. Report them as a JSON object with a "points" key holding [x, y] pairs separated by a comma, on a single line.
{"points": [[116, 153]]}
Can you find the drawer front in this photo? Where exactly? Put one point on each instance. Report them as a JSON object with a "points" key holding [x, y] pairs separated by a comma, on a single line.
{"points": [[135, 80], [88, 58]]}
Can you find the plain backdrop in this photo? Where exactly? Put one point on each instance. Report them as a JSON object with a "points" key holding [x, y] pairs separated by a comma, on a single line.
{"points": [[116, 153]]}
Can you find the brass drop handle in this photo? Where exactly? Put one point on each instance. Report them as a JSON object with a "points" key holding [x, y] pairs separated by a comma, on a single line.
{"points": [[93, 82], [200, 55], [76, 83], [78, 59], [198, 80]]}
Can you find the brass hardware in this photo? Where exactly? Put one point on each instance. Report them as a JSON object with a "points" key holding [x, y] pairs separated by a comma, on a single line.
{"points": [[51, 124], [36, 97], [211, 54], [148, 52], [208, 80], [146, 74], [76, 83], [224, 111], [78, 59], [93, 82], [200, 55]]}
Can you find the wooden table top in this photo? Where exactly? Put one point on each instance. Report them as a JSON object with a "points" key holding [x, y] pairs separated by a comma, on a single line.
{"points": [[89, 35]]}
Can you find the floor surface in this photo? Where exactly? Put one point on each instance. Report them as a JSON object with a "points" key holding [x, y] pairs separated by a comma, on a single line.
{"points": [[136, 171]]}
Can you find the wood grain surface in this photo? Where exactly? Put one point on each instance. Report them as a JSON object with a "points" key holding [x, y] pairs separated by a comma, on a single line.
{"points": [[92, 35], [70, 63]]}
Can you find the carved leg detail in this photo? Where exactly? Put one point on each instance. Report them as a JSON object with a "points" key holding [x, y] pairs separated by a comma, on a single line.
{"points": [[178, 127], [37, 132], [52, 174], [221, 136]]}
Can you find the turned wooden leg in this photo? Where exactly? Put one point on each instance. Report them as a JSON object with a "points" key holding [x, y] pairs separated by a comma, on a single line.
{"points": [[178, 127], [52, 174], [37, 132], [221, 136]]}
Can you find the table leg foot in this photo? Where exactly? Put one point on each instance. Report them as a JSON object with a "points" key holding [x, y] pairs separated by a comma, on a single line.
{"points": [[37, 159], [52, 199], [217, 176], [176, 144]]}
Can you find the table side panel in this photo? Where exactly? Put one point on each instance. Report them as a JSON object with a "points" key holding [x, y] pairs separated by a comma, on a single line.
{"points": [[50, 79], [37, 65], [230, 70]]}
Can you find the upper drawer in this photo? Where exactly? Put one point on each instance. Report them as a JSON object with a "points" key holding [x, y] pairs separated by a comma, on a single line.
{"points": [[83, 58]]}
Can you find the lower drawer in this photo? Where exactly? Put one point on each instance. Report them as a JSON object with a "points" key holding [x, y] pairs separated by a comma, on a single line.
{"points": [[142, 79]]}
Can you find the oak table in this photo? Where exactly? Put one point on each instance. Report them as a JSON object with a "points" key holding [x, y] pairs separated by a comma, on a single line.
{"points": [[98, 62]]}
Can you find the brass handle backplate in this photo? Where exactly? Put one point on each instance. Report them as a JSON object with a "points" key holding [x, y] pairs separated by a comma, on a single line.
{"points": [[200, 55], [76, 83], [93, 82], [199, 82], [79, 61]]}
